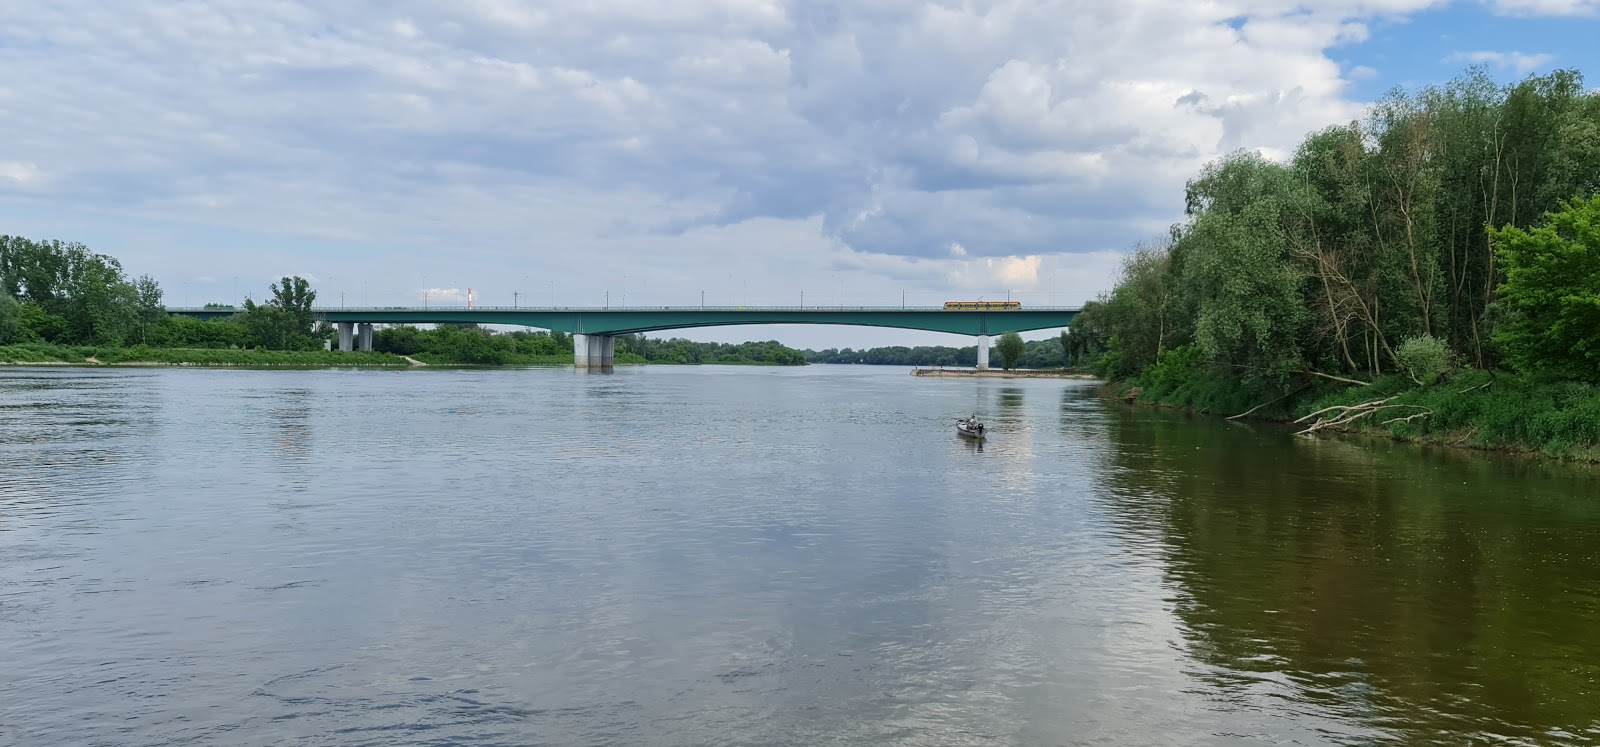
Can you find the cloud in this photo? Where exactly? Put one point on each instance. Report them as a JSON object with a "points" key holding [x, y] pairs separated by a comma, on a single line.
{"points": [[696, 144], [446, 296], [23, 174], [1546, 7], [1518, 62]]}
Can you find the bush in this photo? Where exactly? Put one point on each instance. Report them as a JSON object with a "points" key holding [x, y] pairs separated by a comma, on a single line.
{"points": [[1424, 358], [1551, 294]]}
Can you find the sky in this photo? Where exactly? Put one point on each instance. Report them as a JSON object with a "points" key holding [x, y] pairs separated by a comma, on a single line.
{"points": [[759, 152]]}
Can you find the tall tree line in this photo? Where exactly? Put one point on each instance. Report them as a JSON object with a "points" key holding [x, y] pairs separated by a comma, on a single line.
{"points": [[1374, 233], [59, 292]]}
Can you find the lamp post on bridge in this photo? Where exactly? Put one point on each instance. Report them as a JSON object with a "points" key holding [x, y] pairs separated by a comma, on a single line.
{"points": [[514, 295]]}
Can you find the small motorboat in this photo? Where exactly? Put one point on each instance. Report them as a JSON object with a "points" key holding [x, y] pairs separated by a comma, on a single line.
{"points": [[970, 427]]}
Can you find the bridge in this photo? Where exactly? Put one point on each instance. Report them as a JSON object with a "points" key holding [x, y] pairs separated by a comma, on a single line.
{"points": [[594, 329]]}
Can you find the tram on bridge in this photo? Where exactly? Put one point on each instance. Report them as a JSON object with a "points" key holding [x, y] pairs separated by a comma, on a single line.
{"points": [[982, 305]]}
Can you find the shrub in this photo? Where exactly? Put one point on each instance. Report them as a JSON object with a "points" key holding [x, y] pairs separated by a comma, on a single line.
{"points": [[1424, 358]]}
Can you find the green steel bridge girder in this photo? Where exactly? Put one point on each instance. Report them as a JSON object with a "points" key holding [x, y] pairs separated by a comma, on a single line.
{"points": [[621, 321]]}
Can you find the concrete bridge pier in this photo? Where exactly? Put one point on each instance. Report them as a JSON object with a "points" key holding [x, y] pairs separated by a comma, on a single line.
{"points": [[346, 331], [593, 352], [983, 352], [364, 336]]}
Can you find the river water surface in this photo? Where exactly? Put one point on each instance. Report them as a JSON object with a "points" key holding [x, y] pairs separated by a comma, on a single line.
{"points": [[753, 556]]}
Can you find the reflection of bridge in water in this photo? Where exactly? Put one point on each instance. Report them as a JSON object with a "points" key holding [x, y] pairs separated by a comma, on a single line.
{"points": [[594, 329]]}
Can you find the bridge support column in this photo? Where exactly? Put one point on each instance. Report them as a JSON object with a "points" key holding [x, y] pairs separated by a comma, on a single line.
{"points": [[364, 336], [983, 352], [593, 352], [346, 330]]}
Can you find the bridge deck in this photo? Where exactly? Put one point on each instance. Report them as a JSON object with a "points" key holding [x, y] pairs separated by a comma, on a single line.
{"points": [[626, 320]]}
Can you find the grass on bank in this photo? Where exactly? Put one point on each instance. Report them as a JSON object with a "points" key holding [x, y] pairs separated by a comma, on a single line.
{"points": [[1557, 418], [1470, 408], [46, 353]]}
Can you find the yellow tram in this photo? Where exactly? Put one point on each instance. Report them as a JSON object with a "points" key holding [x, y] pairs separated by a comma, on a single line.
{"points": [[982, 305]]}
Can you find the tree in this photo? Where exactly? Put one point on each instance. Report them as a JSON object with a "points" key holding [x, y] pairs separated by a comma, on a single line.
{"points": [[1551, 294], [294, 295], [150, 309], [1242, 283], [284, 322], [10, 319], [39, 325], [1011, 349], [1066, 351]]}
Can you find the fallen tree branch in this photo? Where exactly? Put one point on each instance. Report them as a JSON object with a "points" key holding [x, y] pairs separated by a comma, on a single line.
{"points": [[1346, 414], [1484, 385], [1347, 408], [1408, 418], [1339, 378], [1264, 404]]}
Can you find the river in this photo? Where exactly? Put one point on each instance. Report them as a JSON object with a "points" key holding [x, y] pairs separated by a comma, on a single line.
{"points": [[742, 556]]}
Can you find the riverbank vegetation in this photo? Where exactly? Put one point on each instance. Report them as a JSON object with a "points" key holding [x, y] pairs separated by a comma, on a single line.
{"points": [[62, 303], [1035, 354], [1431, 272]]}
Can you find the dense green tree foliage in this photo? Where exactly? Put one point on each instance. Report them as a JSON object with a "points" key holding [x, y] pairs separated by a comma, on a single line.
{"points": [[1373, 233], [469, 343], [284, 322], [678, 350], [1036, 354], [1010, 347], [1551, 292], [10, 319], [70, 295]]}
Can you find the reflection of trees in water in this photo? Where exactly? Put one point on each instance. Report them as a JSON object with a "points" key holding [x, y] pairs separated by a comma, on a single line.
{"points": [[1010, 401], [1411, 592], [291, 433]]}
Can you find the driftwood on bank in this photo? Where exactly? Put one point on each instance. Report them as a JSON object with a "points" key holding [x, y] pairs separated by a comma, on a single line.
{"points": [[1342, 415]]}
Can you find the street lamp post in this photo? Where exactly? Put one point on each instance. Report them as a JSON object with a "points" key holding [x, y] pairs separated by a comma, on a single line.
{"points": [[514, 295]]}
